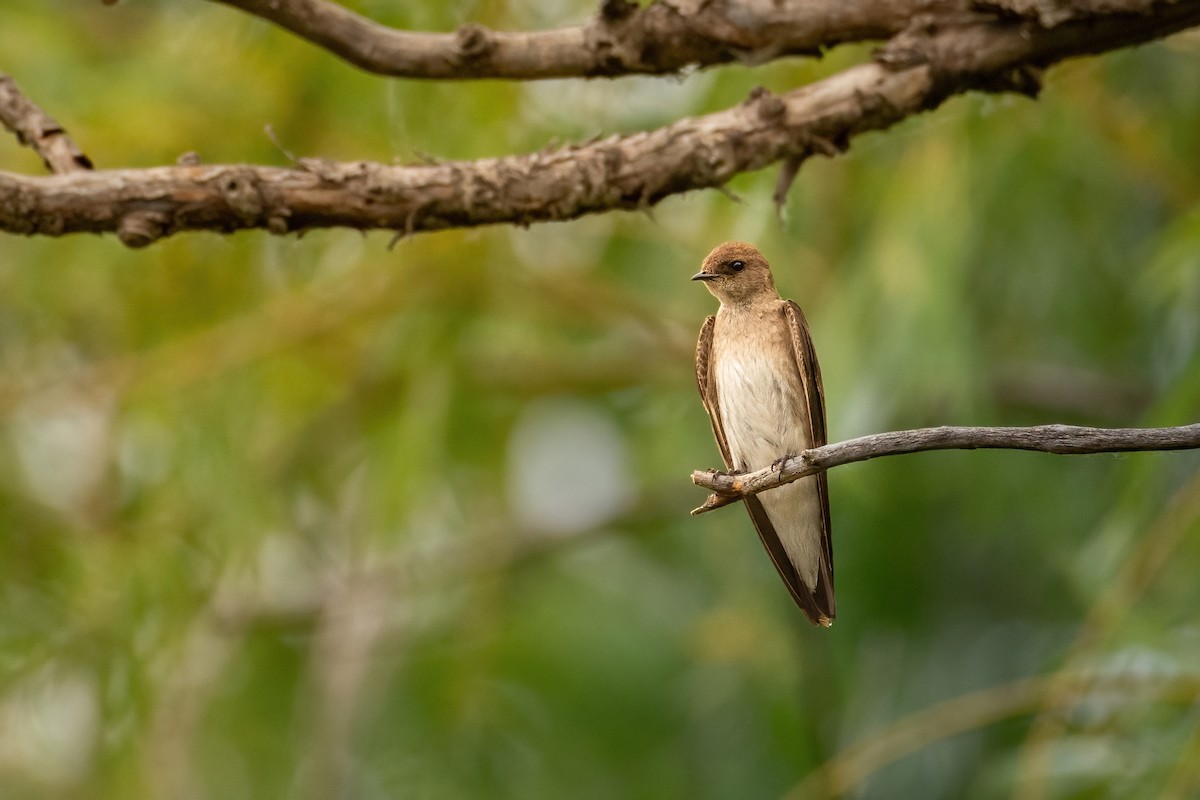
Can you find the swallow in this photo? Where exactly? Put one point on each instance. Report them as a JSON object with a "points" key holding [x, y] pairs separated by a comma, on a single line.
{"points": [[760, 383]]}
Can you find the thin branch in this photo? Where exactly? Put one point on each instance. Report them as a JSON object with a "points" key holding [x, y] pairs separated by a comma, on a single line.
{"points": [[855, 764], [1061, 439], [622, 39], [36, 129], [1116, 601], [916, 71]]}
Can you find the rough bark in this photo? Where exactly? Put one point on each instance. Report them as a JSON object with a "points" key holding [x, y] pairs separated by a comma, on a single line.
{"points": [[943, 50], [38, 130], [622, 39]]}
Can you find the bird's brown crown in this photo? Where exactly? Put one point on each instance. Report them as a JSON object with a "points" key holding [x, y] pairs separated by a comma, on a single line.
{"points": [[736, 273]]}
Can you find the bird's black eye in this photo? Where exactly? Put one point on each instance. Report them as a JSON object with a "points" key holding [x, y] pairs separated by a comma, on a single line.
{"points": [[737, 266]]}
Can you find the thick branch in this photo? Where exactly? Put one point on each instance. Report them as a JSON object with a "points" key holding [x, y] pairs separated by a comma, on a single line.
{"points": [[38, 130], [1062, 439], [915, 72], [629, 172], [663, 37]]}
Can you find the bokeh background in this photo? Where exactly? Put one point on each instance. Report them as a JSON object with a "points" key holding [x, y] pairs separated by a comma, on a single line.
{"points": [[318, 517]]}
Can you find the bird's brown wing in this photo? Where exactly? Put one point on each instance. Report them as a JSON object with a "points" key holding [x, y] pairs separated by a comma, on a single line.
{"points": [[814, 397], [818, 606], [708, 387]]}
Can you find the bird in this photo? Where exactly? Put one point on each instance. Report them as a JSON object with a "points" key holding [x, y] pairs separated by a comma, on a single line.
{"points": [[760, 383]]}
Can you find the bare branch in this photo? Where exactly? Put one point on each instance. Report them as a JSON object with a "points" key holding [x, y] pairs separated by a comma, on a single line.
{"points": [[630, 172], [663, 37], [38, 130], [916, 71], [1061, 439], [622, 39]]}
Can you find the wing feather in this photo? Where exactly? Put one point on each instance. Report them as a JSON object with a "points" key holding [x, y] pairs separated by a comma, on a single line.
{"points": [[814, 396], [708, 386]]}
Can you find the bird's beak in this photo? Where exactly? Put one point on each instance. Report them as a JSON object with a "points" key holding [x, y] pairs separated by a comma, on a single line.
{"points": [[704, 276]]}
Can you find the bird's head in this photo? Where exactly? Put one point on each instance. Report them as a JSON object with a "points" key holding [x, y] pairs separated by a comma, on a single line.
{"points": [[736, 273]]}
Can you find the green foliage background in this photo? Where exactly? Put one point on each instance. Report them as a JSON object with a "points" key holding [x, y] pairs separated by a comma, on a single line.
{"points": [[316, 517]]}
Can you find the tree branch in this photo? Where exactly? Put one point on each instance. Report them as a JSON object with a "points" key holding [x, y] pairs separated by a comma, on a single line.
{"points": [[1062, 439], [622, 39], [38, 130], [629, 172], [935, 58]]}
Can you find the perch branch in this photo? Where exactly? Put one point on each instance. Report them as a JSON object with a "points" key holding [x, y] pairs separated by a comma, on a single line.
{"points": [[915, 71], [38, 130], [1063, 439]]}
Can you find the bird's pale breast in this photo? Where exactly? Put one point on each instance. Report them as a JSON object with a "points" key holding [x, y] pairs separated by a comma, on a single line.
{"points": [[761, 402], [764, 418]]}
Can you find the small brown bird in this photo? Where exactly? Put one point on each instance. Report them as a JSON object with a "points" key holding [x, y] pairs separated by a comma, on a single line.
{"points": [[761, 386]]}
